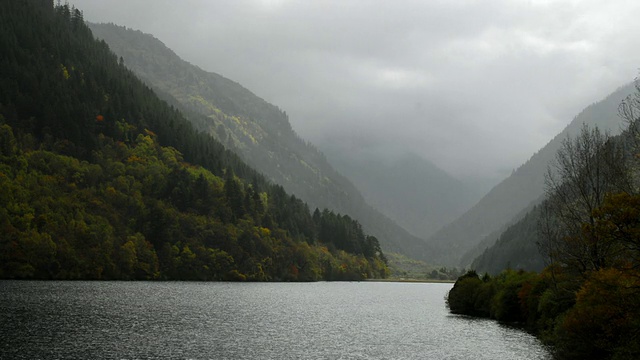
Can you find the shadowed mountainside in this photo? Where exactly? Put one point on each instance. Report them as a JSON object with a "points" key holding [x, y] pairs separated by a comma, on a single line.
{"points": [[409, 189], [507, 199], [258, 131]]}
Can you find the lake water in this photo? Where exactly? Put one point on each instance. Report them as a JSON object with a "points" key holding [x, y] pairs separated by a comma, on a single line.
{"points": [[193, 320]]}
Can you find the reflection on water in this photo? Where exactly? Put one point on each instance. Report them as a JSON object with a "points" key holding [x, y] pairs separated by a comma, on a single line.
{"points": [[191, 320]]}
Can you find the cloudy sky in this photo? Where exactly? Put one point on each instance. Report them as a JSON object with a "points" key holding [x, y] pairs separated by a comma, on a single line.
{"points": [[475, 86]]}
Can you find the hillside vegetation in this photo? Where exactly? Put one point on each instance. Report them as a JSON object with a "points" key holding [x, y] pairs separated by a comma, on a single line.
{"points": [[103, 180], [585, 302], [256, 130], [516, 248], [514, 245], [496, 210]]}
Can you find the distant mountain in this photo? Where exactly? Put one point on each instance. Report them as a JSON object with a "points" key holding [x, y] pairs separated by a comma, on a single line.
{"points": [[496, 209], [407, 188], [258, 131]]}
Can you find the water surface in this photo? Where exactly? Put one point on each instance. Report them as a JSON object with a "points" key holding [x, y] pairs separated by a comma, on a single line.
{"points": [[192, 320]]}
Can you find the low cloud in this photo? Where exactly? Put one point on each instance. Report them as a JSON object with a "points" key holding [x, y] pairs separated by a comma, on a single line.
{"points": [[475, 86]]}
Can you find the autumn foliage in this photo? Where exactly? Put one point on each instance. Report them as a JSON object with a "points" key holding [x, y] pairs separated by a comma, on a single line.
{"points": [[100, 179], [586, 303]]}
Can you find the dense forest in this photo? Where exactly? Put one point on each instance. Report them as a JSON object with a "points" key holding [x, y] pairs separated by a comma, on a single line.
{"points": [[586, 301], [103, 180], [256, 130]]}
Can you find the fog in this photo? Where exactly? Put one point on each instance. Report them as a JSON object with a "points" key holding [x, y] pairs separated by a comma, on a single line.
{"points": [[474, 86]]}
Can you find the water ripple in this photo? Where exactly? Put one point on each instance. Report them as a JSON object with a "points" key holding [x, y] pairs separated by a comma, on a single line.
{"points": [[191, 320]]}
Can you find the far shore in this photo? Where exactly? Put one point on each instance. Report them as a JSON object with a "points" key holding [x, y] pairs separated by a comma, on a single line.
{"points": [[413, 280]]}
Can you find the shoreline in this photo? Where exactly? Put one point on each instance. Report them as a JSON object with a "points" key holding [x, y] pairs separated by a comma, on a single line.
{"points": [[409, 280]]}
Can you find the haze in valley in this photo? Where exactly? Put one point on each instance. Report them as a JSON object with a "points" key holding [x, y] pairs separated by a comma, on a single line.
{"points": [[475, 87]]}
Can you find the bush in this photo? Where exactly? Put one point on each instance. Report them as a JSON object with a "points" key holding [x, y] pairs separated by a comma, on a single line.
{"points": [[462, 297], [605, 320]]}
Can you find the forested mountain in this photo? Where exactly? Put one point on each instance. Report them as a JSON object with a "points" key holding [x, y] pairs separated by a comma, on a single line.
{"points": [[516, 248], [512, 195], [585, 301], [490, 240], [409, 189], [101, 179], [258, 131]]}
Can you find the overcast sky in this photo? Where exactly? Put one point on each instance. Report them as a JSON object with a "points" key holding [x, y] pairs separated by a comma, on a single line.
{"points": [[475, 86]]}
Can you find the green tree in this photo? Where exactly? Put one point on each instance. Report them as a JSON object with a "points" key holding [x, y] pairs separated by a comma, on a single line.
{"points": [[462, 297]]}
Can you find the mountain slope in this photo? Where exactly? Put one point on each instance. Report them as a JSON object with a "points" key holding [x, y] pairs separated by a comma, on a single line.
{"points": [[407, 188], [516, 192], [516, 248], [255, 129], [101, 179], [491, 240]]}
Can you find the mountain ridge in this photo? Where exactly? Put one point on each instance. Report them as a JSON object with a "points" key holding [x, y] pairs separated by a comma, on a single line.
{"points": [[522, 187], [406, 187], [261, 135], [104, 180]]}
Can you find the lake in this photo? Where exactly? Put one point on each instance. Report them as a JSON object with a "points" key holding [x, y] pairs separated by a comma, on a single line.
{"points": [[201, 320]]}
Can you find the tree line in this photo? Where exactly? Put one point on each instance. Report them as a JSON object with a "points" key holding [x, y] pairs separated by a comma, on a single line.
{"points": [[586, 301], [103, 180]]}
